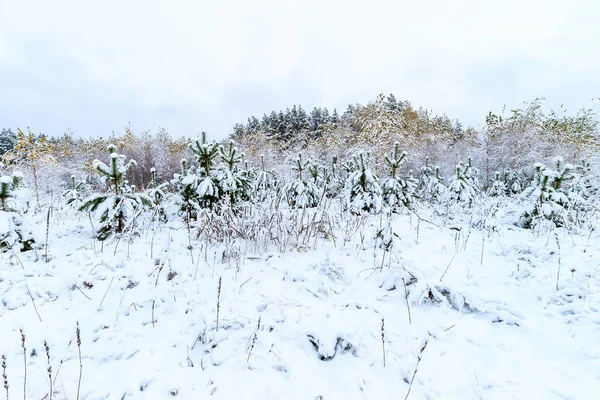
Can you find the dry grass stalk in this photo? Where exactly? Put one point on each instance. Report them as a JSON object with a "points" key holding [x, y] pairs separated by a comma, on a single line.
{"points": [[218, 302], [78, 333], [253, 340], [383, 340], [49, 366], [4, 376], [407, 303]]}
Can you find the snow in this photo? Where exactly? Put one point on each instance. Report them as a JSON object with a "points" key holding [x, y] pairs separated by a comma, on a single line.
{"points": [[5, 223], [6, 179], [484, 301]]}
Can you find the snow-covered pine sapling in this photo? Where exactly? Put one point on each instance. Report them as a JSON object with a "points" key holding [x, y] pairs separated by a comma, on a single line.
{"points": [[264, 182], [6, 193], [15, 232], [17, 179], [462, 188], [333, 181], [206, 154], [585, 184], [512, 182], [184, 169], [363, 192], [116, 209], [498, 187], [187, 185], [431, 183], [301, 192], [551, 197], [232, 180], [427, 173], [398, 191], [157, 193], [73, 194]]}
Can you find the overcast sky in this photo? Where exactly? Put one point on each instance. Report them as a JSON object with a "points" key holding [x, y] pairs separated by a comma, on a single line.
{"points": [[94, 66]]}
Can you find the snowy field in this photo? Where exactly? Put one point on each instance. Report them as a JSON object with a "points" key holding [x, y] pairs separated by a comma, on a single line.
{"points": [[497, 312]]}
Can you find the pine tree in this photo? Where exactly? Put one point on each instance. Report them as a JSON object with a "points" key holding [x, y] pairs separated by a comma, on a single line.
{"points": [[233, 182], [512, 182], [301, 192], [398, 191], [431, 184], [6, 193], [551, 198], [157, 194], [363, 192], [463, 187], [7, 141], [264, 182], [15, 232], [73, 194], [207, 188], [115, 211], [187, 186], [498, 187], [334, 183]]}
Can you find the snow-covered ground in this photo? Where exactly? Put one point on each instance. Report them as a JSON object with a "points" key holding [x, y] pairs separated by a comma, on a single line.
{"points": [[486, 319]]}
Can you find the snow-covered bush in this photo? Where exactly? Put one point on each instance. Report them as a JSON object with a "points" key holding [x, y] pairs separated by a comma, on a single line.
{"points": [[398, 191], [115, 211], [363, 192]]}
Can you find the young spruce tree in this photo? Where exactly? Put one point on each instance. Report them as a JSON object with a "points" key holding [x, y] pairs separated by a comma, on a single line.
{"points": [[115, 209]]}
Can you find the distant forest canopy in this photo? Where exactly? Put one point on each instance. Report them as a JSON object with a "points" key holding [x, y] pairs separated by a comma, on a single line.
{"points": [[514, 139], [287, 125]]}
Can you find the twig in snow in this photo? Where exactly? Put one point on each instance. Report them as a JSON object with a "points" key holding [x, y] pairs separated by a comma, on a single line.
{"points": [[447, 268], [416, 369], [247, 280], [77, 287], [189, 360], [253, 341], [482, 247], [450, 327], [32, 300], [105, 293], [153, 303]]}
